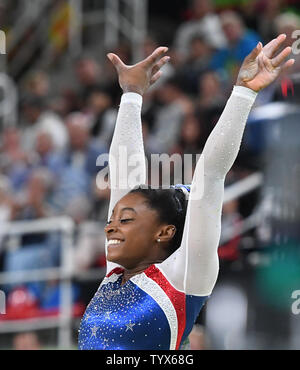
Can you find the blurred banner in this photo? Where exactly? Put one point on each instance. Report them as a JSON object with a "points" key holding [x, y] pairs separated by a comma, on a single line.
{"points": [[60, 25]]}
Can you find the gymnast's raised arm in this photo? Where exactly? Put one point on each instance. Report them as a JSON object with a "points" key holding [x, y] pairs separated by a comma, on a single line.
{"points": [[193, 268], [134, 81]]}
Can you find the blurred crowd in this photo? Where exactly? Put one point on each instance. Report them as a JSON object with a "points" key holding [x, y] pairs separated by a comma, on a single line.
{"points": [[48, 159]]}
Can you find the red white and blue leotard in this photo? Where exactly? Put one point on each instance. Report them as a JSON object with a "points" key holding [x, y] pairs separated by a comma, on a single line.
{"points": [[147, 312], [157, 308]]}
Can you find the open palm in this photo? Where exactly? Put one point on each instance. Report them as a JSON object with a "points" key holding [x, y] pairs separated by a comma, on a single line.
{"points": [[261, 67], [139, 77]]}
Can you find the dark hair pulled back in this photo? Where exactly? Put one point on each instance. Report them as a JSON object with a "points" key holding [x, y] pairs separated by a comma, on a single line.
{"points": [[171, 205]]}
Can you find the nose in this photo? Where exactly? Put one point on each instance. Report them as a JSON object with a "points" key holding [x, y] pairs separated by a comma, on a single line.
{"points": [[111, 227]]}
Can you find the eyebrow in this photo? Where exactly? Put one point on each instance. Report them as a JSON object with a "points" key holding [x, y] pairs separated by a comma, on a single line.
{"points": [[126, 209]]}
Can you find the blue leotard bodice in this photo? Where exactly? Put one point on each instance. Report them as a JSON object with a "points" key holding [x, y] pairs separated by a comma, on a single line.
{"points": [[147, 312]]}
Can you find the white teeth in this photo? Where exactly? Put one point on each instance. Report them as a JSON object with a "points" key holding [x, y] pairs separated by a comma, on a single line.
{"points": [[114, 241]]}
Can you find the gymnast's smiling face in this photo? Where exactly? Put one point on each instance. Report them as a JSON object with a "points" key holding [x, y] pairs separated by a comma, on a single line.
{"points": [[132, 233]]}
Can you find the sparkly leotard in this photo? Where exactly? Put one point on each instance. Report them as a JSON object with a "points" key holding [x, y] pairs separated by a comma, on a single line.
{"points": [[147, 312], [157, 308]]}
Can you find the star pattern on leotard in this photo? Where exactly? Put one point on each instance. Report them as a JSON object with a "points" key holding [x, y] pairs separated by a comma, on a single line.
{"points": [[129, 326], [94, 331], [107, 314]]}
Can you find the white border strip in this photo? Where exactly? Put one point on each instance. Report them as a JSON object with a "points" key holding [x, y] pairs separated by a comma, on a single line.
{"points": [[157, 293]]}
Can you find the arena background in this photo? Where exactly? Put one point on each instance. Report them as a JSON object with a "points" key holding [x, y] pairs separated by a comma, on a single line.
{"points": [[59, 100]]}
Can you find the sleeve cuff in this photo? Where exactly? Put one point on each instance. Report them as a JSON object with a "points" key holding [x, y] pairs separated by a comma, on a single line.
{"points": [[131, 97], [244, 92]]}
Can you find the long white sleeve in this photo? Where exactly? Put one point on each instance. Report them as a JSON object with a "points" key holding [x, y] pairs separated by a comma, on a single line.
{"points": [[194, 267], [127, 144]]}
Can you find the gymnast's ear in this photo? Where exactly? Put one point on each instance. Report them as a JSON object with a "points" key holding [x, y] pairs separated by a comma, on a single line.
{"points": [[165, 234]]}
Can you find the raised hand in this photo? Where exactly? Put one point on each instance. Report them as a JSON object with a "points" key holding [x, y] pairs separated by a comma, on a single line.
{"points": [[261, 67], [139, 77]]}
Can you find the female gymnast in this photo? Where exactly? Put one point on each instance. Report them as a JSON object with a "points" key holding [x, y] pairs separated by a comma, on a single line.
{"points": [[161, 248]]}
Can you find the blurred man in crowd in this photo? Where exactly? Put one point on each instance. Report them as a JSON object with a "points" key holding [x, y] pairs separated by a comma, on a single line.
{"points": [[240, 42], [38, 118], [205, 23]]}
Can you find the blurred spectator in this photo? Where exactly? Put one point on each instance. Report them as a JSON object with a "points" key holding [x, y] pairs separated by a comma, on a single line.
{"points": [[204, 23], [99, 106], [33, 250], [79, 208], [11, 149], [190, 141], [211, 94], [13, 159], [210, 103], [45, 154], [89, 245], [37, 84], [79, 163], [33, 203], [38, 118], [90, 240], [83, 150], [267, 11], [65, 102], [248, 11], [88, 73], [92, 76], [169, 115], [240, 43], [197, 62], [26, 341], [150, 145], [100, 202]]}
